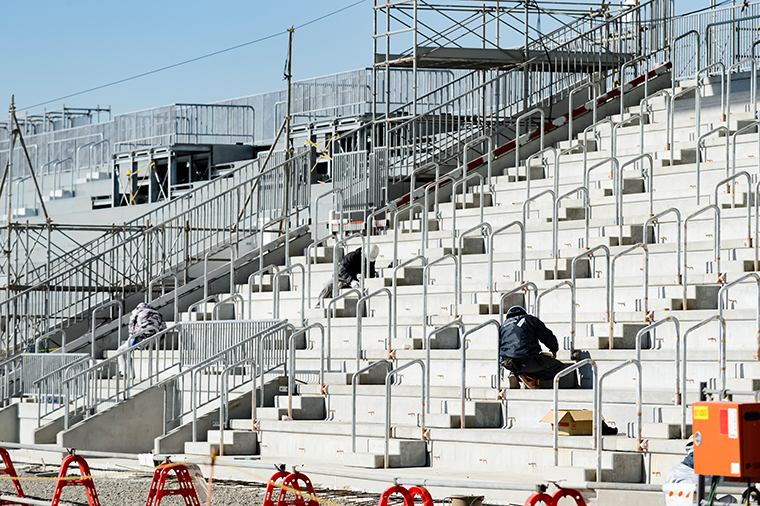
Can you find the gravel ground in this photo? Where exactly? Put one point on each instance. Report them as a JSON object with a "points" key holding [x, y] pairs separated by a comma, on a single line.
{"points": [[132, 489]]}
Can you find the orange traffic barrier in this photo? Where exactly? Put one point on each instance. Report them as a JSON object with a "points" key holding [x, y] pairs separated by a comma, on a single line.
{"points": [[540, 497], [185, 489], [291, 483], [279, 475], [569, 492], [408, 498], [10, 471], [85, 481], [427, 499]]}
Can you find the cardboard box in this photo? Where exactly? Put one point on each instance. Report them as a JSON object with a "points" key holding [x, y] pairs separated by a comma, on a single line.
{"points": [[572, 422]]}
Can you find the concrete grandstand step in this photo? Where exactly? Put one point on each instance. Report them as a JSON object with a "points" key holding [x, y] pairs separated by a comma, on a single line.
{"points": [[402, 453], [621, 467], [478, 415], [698, 297], [623, 337], [232, 442], [651, 430], [303, 407], [564, 270]]}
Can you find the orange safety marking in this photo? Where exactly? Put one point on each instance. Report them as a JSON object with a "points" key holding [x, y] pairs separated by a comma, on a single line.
{"points": [[186, 489], [10, 471], [85, 481]]}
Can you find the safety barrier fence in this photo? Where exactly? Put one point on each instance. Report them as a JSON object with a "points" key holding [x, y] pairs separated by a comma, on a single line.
{"points": [[220, 221], [20, 372]]}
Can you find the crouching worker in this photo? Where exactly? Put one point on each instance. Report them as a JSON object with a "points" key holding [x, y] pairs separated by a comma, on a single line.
{"points": [[520, 352], [144, 322], [349, 271]]}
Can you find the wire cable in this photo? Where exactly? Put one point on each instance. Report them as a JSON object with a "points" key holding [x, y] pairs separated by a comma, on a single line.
{"points": [[197, 58]]}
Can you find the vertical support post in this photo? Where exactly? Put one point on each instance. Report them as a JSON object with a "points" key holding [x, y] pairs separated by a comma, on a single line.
{"points": [[289, 147], [526, 86], [9, 197]]}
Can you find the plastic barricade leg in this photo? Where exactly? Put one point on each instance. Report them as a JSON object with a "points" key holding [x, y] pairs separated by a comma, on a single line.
{"points": [[85, 480], [427, 499], [569, 492], [279, 475], [291, 483], [185, 488], [9, 470], [540, 498], [408, 499]]}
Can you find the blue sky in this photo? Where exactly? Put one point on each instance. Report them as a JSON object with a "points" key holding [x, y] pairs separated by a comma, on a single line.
{"points": [[52, 48]]}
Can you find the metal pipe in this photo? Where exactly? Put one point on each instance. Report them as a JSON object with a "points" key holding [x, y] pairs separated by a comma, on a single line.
{"points": [[520, 140], [649, 175], [292, 362], [620, 124], [668, 119], [524, 286], [426, 282], [394, 280], [235, 297], [423, 236], [631, 62], [463, 182], [716, 244], [753, 86], [388, 367], [593, 128], [149, 295], [722, 67], [276, 289], [754, 124], [697, 108], [336, 283], [331, 315], [593, 100], [746, 175], [569, 284], [652, 326], [701, 144], [590, 253], [555, 222], [339, 193], [724, 292], [463, 385], [684, 363], [118, 327], [269, 268], [479, 140], [550, 149], [460, 330], [645, 275], [360, 316], [47, 336], [600, 402], [388, 208], [570, 150], [388, 386], [522, 247], [481, 227], [595, 423]]}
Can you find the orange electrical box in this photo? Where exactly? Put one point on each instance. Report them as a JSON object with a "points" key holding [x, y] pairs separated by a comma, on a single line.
{"points": [[726, 439]]}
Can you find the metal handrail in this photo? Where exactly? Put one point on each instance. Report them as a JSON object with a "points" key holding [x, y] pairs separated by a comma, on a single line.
{"points": [[595, 91], [753, 86], [724, 292], [685, 362], [524, 286], [330, 316], [204, 300], [621, 124], [754, 124], [461, 329], [746, 175], [423, 225], [388, 386], [647, 174], [269, 268], [292, 362], [608, 289], [423, 260], [234, 297], [592, 127], [334, 191], [600, 402], [422, 169], [388, 367], [519, 140], [757, 224], [674, 52], [634, 61], [498, 231], [540, 154], [701, 145], [47, 336], [668, 119], [570, 150], [526, 206], [569, 284], [656, 219], [615, 175], [224, 401], [149, 295], [276, 289], [645, 275], [370, 219], [595, 424], [309, 248], [652, 326], [426, 281], [722, 66], [555, 222], [716, 243], [697, 107], [463, 385], [481, 227], [120, 305], [360, 316], [478, 140], [463, 182]]}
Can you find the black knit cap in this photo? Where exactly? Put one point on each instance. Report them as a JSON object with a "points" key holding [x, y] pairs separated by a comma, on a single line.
{"points": [[516, 311]]}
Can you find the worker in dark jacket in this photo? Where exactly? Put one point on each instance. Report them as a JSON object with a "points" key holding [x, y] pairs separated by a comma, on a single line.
{"points": [[349, 271], [520, 339]]}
